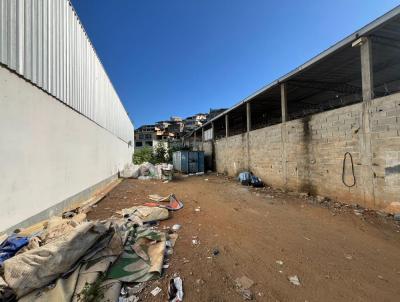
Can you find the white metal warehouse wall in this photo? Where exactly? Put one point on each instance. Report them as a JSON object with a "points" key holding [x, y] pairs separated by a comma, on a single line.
{"points": [[44, 41]]}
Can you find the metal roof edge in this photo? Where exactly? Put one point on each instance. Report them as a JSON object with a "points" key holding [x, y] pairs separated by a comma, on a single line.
{"points": [[349, 39]]}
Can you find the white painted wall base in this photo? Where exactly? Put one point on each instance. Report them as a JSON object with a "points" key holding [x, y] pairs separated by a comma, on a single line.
{"points": [[48, 152]]}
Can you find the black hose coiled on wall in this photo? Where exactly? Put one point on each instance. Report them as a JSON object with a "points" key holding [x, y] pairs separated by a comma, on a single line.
{"points": [[352, 170]]}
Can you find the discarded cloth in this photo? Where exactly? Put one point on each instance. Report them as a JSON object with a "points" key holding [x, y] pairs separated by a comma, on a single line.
{"points": [[62, 291], [158, 198], [174, 203], [142, 258], [6, 293], [39, 267], [145, 213], [11, 246], [94, 263]]}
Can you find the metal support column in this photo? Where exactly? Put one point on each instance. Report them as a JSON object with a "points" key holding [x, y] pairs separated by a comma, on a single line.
{"points": [[366, 177], [202, 138], [367, 69], [284, 102], [248, 116], [227, 125], [285, 118]]}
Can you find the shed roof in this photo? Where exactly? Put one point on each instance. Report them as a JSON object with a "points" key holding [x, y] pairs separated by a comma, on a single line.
{"points": [[335, 69]]}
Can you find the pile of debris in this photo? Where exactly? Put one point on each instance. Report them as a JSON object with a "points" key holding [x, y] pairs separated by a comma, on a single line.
{"points": [[249, 179], [72, 259], [148, 171]]}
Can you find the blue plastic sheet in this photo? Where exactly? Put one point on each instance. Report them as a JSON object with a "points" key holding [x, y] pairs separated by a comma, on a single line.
{"points": [[245, 178], [11, 246]]}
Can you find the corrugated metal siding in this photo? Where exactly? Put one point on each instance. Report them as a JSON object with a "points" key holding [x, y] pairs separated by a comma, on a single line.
{"points": [[44, 41]]}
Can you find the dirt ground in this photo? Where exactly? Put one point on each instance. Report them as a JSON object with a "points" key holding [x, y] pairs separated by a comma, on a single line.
{"points": [[338, 254]]}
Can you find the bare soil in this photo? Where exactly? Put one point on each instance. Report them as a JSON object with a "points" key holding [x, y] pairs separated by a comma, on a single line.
{"points": [[336, 254]]}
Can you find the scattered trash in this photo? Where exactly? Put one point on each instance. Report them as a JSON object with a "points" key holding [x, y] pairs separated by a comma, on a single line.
{"points": [[280, 262], [243, 284], [159, 198], [128, 294], [294, 280], [206, 179], [306, 238], [68, 214], [197, 209], [128, 299], [348, 257], [147, 171], [176, 227], [156, 291], [200, 281], [397, 216], [137, 289], [174, 203], [58, 258], [215, 252], [175, 290], [247, 294], [247, 179], [195, 242], [145, 213]]}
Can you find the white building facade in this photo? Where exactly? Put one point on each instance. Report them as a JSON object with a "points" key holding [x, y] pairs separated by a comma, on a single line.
{"points": [[64, 131]]}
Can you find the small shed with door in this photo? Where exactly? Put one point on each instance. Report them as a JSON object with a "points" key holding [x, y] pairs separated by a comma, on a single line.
{"points": [[188, 161]]}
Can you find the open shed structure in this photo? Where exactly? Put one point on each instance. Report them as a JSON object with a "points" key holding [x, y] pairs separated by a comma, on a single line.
{"points": [[295, 131]]}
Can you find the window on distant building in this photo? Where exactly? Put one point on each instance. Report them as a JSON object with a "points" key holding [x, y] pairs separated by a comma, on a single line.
{"points": [[149, 143], [139, 144], [141, 136]]}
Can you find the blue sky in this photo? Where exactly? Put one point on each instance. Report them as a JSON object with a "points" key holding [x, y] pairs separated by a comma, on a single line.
{"points": [[181, 57]]}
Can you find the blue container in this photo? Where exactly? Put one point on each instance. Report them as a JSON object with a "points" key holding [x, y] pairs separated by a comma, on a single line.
{"points": [[188, 161]]}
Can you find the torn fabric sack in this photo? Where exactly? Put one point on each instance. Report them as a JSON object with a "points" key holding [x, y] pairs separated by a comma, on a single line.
{"points": [[174, 203], [146, 214], [39, 267]]}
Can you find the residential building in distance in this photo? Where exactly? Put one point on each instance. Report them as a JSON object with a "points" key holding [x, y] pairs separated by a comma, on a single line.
{"points": [[170, 132]]}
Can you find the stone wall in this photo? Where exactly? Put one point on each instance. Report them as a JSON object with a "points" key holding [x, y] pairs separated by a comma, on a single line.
{"points": [[307, 154]]}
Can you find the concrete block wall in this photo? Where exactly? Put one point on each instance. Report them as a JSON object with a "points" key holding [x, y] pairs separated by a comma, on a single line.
{"points": [[315, 148], [265, 150], [385, 148], [307, 154]]}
